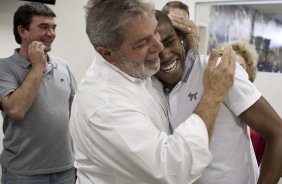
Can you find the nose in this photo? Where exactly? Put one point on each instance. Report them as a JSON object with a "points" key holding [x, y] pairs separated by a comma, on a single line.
{"points": [[51, 32], [157, 45], [165, 55]]}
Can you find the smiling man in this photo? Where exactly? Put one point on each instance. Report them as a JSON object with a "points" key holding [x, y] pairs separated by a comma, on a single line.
{"points": [[233, 159], [36, 91], [119, 126]]}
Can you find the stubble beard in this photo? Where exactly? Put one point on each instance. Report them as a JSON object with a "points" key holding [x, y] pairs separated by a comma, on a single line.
{"points": [[141, 69]]}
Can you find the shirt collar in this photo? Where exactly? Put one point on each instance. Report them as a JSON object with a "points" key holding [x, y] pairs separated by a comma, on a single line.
{"points": [[51, 62], [20, 60], [189, 63]]}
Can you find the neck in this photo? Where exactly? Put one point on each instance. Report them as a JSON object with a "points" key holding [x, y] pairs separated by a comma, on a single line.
{"points": [[168, 87], [24, 53]]}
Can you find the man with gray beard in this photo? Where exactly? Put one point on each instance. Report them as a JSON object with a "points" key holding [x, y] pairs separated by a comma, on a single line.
{"points": [[119, 125]]}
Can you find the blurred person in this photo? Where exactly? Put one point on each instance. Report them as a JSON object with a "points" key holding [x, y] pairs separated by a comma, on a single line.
{"points": [[179, 12], [246, 57], [233, 158], [268, 64], [176, 8], [118, 123], [36, 92]]}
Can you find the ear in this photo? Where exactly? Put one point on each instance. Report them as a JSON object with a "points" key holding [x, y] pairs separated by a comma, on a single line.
{"points": [[21, 31], [107, 54]]}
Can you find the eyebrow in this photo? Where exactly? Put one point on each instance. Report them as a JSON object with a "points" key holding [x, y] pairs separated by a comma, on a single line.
{"points": [[146, 37], [46, 24]]}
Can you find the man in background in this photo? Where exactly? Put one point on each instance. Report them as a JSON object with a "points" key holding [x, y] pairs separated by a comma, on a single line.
{"points": [[176, 8], [268, 64], [179, 12], [36, 92]]}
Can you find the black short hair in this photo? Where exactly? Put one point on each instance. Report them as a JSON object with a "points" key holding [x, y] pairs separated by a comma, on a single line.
{"points": [[23, 16]]}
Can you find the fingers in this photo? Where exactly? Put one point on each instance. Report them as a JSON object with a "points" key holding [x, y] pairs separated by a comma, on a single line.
{"points": [[36, 46], [185, 25], [228, 58], [227, 66], [233, 58], [212, 59], [36, 54]]}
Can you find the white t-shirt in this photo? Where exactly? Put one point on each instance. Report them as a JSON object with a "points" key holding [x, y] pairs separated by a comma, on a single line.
{"points": [[121, 133], [233, 157]]}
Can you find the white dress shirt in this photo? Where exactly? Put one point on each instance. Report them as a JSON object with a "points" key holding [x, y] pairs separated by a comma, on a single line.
{"points": [[121, 133]]}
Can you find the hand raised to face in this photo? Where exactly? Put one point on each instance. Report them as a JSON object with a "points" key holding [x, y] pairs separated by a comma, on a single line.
{"points": [[36, 55]]}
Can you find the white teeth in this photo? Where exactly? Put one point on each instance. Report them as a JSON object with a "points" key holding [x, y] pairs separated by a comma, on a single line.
{"points": [[170, 67]]}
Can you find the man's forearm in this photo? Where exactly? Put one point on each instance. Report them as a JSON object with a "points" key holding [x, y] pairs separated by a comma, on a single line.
{"points": [[217, 81], [271, 166], [208, 109], [19, 102]]}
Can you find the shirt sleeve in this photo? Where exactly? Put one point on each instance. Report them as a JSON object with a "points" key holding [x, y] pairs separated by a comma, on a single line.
{"points": [[8, 82], [195, 134], [242, 94], [127, 143]]}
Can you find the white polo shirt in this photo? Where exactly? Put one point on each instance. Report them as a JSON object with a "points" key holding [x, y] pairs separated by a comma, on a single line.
{"points": [[233, 158]]}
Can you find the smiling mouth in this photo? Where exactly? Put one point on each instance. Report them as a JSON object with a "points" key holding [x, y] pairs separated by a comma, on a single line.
{"points": [[47, 42], [170, 67]]}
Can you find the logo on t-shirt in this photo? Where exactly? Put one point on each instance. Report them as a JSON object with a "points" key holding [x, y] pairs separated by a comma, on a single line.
{"points": [[193, 96]]}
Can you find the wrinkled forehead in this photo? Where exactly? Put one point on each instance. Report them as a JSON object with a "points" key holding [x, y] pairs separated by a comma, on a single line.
{"points": [[139, 27]]}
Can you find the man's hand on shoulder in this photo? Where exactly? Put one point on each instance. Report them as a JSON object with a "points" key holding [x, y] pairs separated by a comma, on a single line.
{"points": [[219, 77]]}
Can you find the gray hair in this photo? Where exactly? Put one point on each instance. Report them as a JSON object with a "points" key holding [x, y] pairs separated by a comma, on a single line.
{"points": [[105, 19]]}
